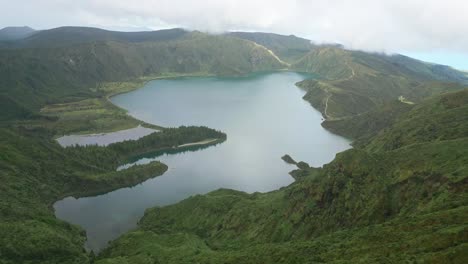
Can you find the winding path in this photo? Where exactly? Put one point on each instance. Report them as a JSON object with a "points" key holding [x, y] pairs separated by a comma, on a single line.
{"points": [[326, 106], [272, 53]]}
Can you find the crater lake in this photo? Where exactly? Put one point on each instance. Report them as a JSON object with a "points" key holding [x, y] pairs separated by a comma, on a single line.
{"points": [[264, 117]]}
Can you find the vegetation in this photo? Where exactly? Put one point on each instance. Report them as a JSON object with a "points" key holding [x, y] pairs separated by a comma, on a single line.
{"points": [[50, 87], [36, 171], [364, 126], [120, 153], [354, 82], [288, 159], [399, 196], [74, 71], [288, 48], [407, 203], [15, 33], [85, 117]]}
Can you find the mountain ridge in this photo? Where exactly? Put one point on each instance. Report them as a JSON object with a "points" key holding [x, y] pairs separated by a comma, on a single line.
{"points": [[136, 54], [15, 33]]}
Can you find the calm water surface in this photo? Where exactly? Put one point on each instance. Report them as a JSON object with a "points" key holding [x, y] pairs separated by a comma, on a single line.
{"points": [[264, 117], [105, 139]]}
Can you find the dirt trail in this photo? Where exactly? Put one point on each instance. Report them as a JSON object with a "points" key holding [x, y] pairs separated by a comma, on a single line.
{"points": [[353, 73], [326, 106], [402, 99], [272, 53]]}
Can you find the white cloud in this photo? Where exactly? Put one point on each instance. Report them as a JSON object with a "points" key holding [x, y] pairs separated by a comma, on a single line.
{"points": [[378, 25]]}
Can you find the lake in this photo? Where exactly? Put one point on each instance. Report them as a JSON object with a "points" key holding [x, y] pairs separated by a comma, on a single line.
{"points": [[104, 139], [264, 117]]}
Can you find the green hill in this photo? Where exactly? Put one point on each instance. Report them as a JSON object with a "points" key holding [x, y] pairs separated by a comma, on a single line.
{"points": [[288, 48], [370, 205], [335, 63], [67, 36], [354, 82]]}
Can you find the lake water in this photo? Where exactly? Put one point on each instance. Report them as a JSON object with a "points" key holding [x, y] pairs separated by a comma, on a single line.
{"points": [[105, 139], [264, 117]]}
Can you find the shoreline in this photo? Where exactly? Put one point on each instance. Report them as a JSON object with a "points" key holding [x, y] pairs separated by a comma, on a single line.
{"points": [[109, 117], [146, 79], [199, 143]]}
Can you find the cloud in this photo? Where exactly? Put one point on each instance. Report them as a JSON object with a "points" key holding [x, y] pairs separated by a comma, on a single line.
{"points": [[375, 25]]}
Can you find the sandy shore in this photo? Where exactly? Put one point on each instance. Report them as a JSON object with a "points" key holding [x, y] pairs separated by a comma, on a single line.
{"points": [[203, 142]]}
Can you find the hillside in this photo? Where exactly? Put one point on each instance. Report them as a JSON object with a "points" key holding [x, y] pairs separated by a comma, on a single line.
{"points": [[67, 36], [351, 82], [15, 33], [369, 205], [364, 127], [288, 48], [35, 172], [354, 82], [33, 77]]}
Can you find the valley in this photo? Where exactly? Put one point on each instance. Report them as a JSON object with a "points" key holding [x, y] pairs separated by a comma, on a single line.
{"points": [[399, 195]]}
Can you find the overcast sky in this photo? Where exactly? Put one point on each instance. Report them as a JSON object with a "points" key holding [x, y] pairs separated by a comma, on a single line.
{"points": [[434, 30]]}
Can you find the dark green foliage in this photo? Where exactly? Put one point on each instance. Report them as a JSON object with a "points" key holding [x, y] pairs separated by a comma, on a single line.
{"points": [[364, 126], [12, 110], [381, 243], [166, 139], [120, 153], [437, 119], [302, 165], [288, 159]]}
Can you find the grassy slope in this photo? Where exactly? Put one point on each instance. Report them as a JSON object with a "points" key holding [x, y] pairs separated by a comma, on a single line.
{"points": [[355, 82], [364, 126], [288, 48], [405, 203], [95, 115], [66, 36]]}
